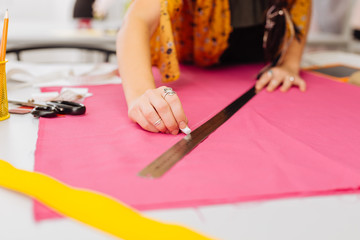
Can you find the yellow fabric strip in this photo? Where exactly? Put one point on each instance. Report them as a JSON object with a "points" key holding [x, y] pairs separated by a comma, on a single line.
{"points": [[91, 208]]}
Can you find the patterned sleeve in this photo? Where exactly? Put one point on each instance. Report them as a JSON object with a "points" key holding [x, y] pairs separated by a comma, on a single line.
{"points": [[163, 52], [301, 15]]}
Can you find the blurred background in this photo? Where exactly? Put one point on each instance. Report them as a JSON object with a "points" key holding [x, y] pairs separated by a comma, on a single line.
{"points": [[39, 23], [94, 23]]}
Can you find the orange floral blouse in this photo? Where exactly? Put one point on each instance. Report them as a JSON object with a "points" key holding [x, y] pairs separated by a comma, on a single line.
{"points": [[198, 33]]}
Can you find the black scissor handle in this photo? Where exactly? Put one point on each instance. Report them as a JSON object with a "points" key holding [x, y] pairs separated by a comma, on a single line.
{"points": [[68, 107], [47, 112]]}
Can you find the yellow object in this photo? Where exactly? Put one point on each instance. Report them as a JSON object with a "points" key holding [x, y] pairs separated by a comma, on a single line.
{"points": [[4, 106], [197, 31], [4, 37], [91, 208]]}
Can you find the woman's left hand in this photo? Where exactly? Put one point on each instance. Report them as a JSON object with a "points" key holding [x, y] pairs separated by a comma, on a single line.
{"points": [[281, 77]]}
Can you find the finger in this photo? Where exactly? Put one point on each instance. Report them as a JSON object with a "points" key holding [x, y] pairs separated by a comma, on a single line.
{"points": [[264, 80], [301, 83], [144, 123], [163, 110], [286, 85], [160, 125], [178, 112], [152, 117], [297, 81], [274, 83]]}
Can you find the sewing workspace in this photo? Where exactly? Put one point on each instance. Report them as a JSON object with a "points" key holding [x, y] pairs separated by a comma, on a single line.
{"points": [[180, 119]]}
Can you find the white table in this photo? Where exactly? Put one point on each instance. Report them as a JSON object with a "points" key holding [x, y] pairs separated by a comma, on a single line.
{"points": [[331, 217], [23, 34]]}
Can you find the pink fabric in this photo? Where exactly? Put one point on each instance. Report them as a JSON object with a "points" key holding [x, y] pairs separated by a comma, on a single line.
{"points": [[277, 145]]}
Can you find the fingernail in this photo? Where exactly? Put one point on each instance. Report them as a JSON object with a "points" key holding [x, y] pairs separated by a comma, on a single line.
{"points": [[186, 130], [182, 125]]}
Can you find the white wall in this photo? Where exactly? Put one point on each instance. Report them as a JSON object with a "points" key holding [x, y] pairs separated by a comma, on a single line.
{"points": [[49, 21], [38, 10], [58, 11]]}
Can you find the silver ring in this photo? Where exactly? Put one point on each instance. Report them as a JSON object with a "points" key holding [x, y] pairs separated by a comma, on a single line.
{"points": [[292, 79], [157, 122], [270, 73], [168, 91]]}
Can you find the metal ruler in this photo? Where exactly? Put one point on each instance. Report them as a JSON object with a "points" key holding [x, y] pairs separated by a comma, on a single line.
{"points": [[174, 154]]}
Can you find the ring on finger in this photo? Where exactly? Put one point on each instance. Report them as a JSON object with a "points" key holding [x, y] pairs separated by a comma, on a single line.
{"points": [[168, 91], [270, 73], [157, 122], [291, 79]]}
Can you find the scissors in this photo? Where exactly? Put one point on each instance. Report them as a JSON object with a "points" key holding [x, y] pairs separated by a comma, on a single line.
{"points": [[53, 108]]}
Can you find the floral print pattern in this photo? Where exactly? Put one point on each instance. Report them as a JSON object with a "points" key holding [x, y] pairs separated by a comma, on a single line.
{"points": [[197, 31]]}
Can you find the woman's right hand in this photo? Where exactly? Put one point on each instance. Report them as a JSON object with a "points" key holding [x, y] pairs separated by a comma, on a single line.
{"points": [[147, 105], [156, 111]]}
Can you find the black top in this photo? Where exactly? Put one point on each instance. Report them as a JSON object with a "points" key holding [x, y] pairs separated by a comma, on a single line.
{"points": [[246, 39], [247, 13]]}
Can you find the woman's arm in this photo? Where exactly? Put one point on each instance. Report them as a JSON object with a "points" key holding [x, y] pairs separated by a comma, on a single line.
{"points": [[286, 73], [133, 47], [146, 106]]}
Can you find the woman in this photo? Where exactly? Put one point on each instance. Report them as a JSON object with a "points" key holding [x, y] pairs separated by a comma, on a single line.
{"points": [[204, 32]]}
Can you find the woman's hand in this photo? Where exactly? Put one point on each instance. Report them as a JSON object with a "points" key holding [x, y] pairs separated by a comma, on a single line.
{"points": [[159, 110], [282, 77]]}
